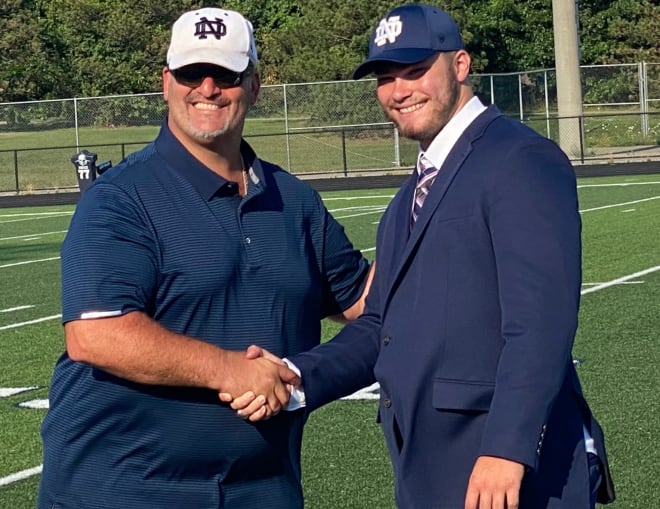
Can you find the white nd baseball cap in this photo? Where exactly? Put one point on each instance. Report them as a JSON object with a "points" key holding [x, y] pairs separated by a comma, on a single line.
{"points": [[212, 36]]}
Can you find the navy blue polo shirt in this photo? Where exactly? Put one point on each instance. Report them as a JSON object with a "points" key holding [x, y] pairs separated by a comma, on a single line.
{"points": [[162, 234]]}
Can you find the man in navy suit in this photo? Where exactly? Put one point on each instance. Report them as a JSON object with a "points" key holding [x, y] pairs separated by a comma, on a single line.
{"points": [[471, 317]]}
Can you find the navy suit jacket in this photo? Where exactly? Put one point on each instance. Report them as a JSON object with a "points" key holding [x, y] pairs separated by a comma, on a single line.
{"points": [[469, 326]]}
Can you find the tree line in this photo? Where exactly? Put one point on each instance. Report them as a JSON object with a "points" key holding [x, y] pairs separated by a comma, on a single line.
{"points": [[54, 49]]}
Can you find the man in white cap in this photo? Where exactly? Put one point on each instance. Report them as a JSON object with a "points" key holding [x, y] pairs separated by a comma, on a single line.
{"points": [[176, 260]]}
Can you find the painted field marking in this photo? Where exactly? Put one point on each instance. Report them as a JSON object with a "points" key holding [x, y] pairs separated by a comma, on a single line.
{"points": [[30, 322], [620, 280], [17, 308], [620, 204], [6, 392], [349, 198], [29, 262], [362, 214], [620, 184], [35, 404], [37, 214], [19, 237], [19, 476], [624, 283], [363, 208]]}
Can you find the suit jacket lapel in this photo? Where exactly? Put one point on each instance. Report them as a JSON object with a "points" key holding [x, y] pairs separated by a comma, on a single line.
{"points": [[446, 175], [396, 234]]}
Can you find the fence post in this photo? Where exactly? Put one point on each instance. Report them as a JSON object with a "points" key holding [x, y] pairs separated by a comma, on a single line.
{"points": [[343, 152], [397, 148], [643, 97], [286, 130], [520, 97], [547, 104], [492, 90], [16, 169], [75, 121], [582, 143]]}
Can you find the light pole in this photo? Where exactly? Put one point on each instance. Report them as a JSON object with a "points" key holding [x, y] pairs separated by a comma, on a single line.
{"points": [[567, 65]]}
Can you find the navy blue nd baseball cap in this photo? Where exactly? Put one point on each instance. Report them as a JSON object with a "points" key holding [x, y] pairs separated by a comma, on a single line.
{"points": [[410, 34]]}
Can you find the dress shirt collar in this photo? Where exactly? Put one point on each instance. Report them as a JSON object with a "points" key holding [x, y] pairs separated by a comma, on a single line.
{"points": [[439, 149]]}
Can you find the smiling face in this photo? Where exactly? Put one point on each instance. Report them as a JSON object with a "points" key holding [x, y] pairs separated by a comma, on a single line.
{"points": [[421, 98], [201, 114]]}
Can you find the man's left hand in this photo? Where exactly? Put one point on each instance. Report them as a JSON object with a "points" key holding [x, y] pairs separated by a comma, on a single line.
{"points": [[494, 484]]}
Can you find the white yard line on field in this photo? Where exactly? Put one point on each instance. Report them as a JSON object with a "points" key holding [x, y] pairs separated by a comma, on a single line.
{"points": [[7, 392], [620, 184], [620, 204], [620, 280], [3, 221], [348, 198], [624, 283], [19, 476], [361, 208], [38, 214], [362, 214], [29, 322], [28, 262], [17, 308], [32, 235]]}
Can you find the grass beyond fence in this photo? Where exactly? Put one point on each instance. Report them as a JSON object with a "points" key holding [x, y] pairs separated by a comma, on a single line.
{"points": [[345, 464], [339, 150], [41, 160]]}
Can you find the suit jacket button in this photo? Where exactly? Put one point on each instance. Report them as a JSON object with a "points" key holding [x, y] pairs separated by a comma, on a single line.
{"points": [[387, 403], [386, 340]]}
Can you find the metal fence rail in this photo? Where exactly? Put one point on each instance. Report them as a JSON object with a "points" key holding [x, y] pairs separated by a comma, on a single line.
{"points": [[329, 127]]}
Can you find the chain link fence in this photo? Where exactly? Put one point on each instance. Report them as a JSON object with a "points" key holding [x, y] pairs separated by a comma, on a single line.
{"points": [[329, 127]]}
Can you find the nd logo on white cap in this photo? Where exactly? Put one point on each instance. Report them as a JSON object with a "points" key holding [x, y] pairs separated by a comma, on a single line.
{"points": [[212, 36], [205, 27]]}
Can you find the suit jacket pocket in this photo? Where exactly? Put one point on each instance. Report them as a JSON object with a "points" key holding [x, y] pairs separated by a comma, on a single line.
{"points": [[462, 395]]}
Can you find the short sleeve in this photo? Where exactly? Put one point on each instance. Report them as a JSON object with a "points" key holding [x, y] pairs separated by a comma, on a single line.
{"points": [[109, 256], [345, 269]]}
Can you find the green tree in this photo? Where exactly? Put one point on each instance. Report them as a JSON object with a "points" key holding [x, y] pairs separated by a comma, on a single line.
{"points": [[65, 48], [325, 40], [620, 31], [28, 64]]}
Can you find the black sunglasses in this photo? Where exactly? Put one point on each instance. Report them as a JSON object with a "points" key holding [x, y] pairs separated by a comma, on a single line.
{"points": [[193, 75]]}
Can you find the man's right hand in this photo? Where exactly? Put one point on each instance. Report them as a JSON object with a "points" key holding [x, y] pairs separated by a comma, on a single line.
{"points": [[261, 379], [252, 405]]}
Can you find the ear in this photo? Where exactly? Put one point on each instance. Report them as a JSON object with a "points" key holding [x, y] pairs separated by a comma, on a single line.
{"points": [[255, 86], [462, 63], [167, 76]]}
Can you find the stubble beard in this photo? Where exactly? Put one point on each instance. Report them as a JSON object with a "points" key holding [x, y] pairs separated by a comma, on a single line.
{"points": [[202, 136], [437, 119]]}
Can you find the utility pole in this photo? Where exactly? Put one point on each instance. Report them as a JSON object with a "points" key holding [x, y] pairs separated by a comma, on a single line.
{"points": [[567, 65]]}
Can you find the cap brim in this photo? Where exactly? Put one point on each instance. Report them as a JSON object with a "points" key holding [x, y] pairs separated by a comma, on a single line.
{"points": [[404, 56], [234, 62]]}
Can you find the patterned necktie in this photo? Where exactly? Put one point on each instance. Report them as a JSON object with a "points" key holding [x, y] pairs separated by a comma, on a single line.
{"points": [[426, 176]]}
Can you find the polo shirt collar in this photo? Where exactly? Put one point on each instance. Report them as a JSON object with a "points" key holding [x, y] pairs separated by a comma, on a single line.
{"points": [[206, 182]]}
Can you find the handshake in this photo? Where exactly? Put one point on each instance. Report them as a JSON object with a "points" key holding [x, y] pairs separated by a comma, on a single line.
{"points": [[257, 384]]}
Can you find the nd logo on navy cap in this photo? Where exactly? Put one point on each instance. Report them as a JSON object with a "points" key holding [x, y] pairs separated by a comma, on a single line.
{"points": [[410, 34]]}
